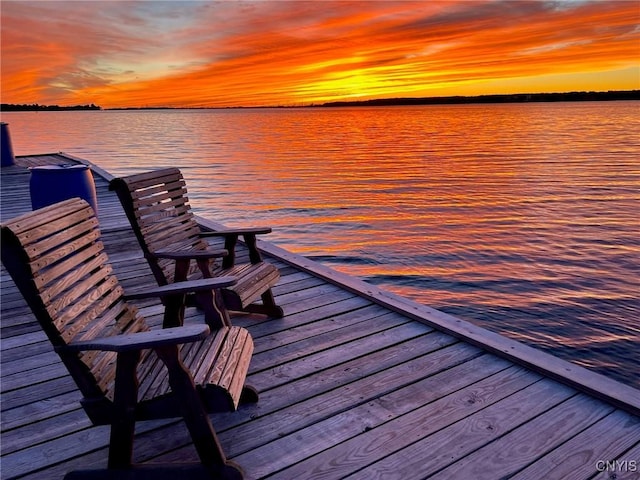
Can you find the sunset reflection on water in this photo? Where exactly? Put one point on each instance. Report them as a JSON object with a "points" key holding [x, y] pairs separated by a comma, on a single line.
{"points": [[521, 218]]}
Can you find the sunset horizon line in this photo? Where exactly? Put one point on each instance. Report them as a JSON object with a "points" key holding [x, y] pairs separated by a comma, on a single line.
{"points": [[524, 97]]}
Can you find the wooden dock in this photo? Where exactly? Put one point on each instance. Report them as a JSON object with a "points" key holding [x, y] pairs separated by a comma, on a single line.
{"points": [[354, 382]]}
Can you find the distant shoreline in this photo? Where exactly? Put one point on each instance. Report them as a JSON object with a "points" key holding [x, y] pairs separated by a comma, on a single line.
{"points": [[10, 107], [611, 95], [503, 98]]}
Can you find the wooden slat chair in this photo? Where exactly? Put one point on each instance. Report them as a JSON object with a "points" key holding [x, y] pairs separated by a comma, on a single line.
{"points": [[126, 371], [158, 209]]}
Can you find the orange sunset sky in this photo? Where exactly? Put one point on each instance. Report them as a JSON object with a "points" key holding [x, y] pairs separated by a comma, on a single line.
{"points": [[188, 53]]}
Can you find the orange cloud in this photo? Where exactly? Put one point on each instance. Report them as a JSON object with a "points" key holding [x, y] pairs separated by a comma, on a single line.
{"points": [[119, 54]]}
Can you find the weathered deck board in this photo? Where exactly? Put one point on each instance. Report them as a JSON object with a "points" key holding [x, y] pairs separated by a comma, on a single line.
{"points": [[354, 383]]}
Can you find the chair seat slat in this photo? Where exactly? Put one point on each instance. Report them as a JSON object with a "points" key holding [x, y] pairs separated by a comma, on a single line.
{"points": [[234, 381], [250, 290], [150, 371], [235, 355], [252, 279], [158, 384], [191, 354], [225, 366], [204, 362], [218, 370]]}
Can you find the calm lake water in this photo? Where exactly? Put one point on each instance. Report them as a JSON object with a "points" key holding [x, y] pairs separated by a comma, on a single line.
{"points": [[522, 218]]}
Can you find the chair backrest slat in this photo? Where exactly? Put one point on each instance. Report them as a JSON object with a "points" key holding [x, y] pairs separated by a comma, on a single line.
{"points": [[85, 261], [147, 179], [27, 223], [161, 233], [170, 207], [157, 206], [168, 187], [101, 362], [83, 232], [74, 320], [57, 261]]}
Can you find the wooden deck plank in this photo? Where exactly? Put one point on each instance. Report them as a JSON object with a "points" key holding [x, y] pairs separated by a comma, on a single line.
{"points": [[367, 429], [355, 382], [576, 458], [39, 410], [60, 425], [524, 445], [335, 378], [320, 407], [325, 308], [323, 359], [620, 467], [356, 333]]}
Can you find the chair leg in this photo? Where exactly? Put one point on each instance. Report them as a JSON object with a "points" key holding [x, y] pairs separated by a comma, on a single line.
{"points": [[267, 307], [272, 312], [212, 304], [195, 416], [174, 306], [230, 242], [249, 395], [269, 303], [125, 399]]}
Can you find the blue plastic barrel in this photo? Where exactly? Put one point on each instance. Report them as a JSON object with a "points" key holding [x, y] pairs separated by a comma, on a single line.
{"points": [[50, 184], [5, 144]]}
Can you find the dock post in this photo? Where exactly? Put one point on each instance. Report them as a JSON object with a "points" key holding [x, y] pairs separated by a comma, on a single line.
{"points": [[5, 143]]}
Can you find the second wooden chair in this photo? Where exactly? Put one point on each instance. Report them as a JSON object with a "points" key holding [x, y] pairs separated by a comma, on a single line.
{"points": [[158, 209]]}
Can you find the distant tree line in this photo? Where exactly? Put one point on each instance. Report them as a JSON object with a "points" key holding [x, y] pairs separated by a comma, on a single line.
{"points": [[9, 107], [505, 98], [500, 98]]}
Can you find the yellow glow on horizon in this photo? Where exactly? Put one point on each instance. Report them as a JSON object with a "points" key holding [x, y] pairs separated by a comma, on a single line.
{"points": [[314, 67]]}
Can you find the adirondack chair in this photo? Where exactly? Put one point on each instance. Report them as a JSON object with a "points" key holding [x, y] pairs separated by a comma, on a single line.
{"points": [[158, 209], [125, 370]]}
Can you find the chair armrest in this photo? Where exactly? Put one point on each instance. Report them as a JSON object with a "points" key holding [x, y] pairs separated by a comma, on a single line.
{"points": [[231, 239], [237, 231], [179, 288], [139, 341], [191, 254]]}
